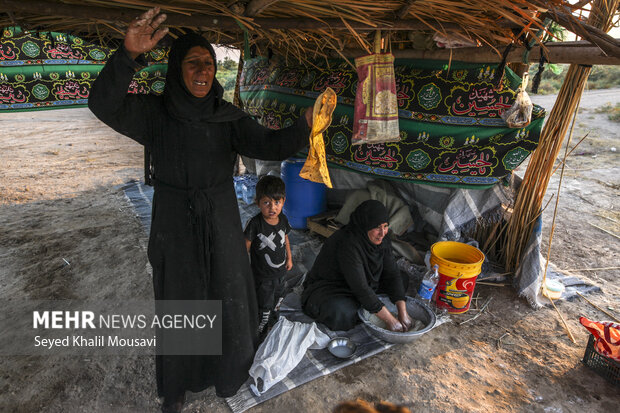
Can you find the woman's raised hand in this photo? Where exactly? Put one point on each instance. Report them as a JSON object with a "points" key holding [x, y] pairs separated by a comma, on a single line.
{"points": [[144, 32]]}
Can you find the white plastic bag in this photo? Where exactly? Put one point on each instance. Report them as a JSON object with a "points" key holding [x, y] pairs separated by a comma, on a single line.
{"points": [[453, 40], [520, 113], [282, 350]]}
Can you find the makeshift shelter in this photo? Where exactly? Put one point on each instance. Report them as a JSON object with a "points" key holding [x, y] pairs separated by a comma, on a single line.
{"points": [[439, 204], [451, 133]]}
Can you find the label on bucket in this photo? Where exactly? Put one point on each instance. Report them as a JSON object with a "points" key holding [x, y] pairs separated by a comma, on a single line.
{"points": [[454, 294]]}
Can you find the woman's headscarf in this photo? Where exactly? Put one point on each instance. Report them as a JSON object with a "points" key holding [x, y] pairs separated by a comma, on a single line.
{"points": [[184, 106], [368, 215]]}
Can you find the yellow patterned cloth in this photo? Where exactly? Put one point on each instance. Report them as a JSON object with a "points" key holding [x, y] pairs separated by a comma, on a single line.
{"points": [[315, 167]]}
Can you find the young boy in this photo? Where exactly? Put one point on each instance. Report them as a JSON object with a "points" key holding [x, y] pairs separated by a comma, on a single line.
{"points": [[266, 238]]}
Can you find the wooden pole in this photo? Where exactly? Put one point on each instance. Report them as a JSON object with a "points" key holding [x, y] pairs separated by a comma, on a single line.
{"points": [[519, 68], [593, 34], [579, 52], [566, 327], [599, 308]]}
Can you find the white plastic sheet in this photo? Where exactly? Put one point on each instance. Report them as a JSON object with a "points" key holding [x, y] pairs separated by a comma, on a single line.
{"points": [[282, 350]]}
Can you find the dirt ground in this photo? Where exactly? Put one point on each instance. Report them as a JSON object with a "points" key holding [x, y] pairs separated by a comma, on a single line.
{"points": [[59, 200]]}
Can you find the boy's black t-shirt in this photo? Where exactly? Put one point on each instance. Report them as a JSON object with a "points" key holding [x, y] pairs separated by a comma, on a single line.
{"points": [[268, 248]]}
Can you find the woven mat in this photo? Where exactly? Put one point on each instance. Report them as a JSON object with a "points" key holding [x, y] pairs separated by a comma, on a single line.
{"points": [[316, 363]]}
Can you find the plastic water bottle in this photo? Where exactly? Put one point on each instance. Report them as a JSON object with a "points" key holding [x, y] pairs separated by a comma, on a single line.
{"points": [[429, 282]]}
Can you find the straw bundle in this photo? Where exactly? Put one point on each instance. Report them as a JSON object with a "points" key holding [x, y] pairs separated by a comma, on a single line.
{"points": [[532, 191]]}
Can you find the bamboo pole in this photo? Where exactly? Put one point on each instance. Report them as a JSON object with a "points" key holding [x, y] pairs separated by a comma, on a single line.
{"points": [[604, 230], [557, 200], [592, 269], [566, 327], [613, 317], [532, 191]]}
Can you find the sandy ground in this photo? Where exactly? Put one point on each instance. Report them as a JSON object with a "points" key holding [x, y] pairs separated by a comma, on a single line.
{"points": [[59, 200]]}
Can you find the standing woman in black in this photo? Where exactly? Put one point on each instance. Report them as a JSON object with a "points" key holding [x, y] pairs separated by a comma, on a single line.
{"points": [[196, 245]]}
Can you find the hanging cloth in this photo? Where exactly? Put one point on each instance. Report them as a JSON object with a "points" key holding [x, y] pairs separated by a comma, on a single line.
{"points": [[376, 108], [315, 167], [607, 337]]}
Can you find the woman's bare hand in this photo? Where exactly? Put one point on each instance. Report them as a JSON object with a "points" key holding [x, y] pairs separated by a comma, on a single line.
{"points": [[144, 32], [392, 323], [403, 315]]}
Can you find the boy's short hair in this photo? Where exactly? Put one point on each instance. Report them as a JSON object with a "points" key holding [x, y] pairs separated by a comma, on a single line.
{"points": [[270, 186]]}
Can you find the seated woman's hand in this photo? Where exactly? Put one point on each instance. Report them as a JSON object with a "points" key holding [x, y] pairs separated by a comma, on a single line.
{"points": [[392, 323], [406, 321], [403, 316], [395, 326]]}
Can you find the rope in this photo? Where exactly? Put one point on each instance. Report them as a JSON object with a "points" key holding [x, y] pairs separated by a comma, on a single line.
{"points": [[502, 66]]}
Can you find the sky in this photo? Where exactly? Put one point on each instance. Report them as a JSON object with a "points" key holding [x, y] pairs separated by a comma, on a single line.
{"points": [[222, 52]]}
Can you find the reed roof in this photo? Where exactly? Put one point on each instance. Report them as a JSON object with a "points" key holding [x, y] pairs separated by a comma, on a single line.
{"points": [[303, 29]]}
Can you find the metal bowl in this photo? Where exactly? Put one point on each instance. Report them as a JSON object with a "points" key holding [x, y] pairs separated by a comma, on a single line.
{"points": [[341, 347], [417, 311]]}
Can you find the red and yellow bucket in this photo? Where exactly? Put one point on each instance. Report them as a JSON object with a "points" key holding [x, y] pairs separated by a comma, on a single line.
{"points": [[459, 266]]}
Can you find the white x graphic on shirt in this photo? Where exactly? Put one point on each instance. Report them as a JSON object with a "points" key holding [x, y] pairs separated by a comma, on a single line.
{"points": [[267, 241]]}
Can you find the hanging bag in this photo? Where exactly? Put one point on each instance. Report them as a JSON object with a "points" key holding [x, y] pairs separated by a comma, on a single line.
{"points": [[519, 114], [376, 108]]}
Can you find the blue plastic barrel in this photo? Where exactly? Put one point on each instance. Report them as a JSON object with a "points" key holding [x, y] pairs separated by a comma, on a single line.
{"points": [[303, 198]]}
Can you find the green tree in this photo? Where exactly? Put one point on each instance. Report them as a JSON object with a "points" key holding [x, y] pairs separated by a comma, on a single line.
{"points": [[227, 76]]}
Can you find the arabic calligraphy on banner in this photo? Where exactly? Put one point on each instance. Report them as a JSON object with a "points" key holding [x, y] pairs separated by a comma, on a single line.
{"points": [[42, 70], [470, 161], [450, 125], [24, 48], [384, 155], [475, 100], [11, 94]]}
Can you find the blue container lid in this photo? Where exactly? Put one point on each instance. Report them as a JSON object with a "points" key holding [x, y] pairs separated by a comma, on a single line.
{"points": [[295, 160]]}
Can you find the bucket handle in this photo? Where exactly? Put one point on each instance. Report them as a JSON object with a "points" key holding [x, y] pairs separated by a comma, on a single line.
{"points": [[451, 281]]}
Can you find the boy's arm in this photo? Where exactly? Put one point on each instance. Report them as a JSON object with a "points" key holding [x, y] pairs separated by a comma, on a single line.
{"points": [[248, 244], [289, 256]]}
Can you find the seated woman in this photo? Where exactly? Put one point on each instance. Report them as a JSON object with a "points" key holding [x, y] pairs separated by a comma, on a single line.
{"points": [[354, 264]]}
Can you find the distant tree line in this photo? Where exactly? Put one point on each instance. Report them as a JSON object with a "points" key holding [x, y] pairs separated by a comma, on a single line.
{"points": [[601, 77]]}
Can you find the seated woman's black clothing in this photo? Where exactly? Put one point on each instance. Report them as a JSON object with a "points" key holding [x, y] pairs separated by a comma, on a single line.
{"points": [[350, 271]]}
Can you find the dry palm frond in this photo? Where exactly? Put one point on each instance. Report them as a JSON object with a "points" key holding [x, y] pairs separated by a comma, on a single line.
{"points": [[357, 36], [488, 22]]}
